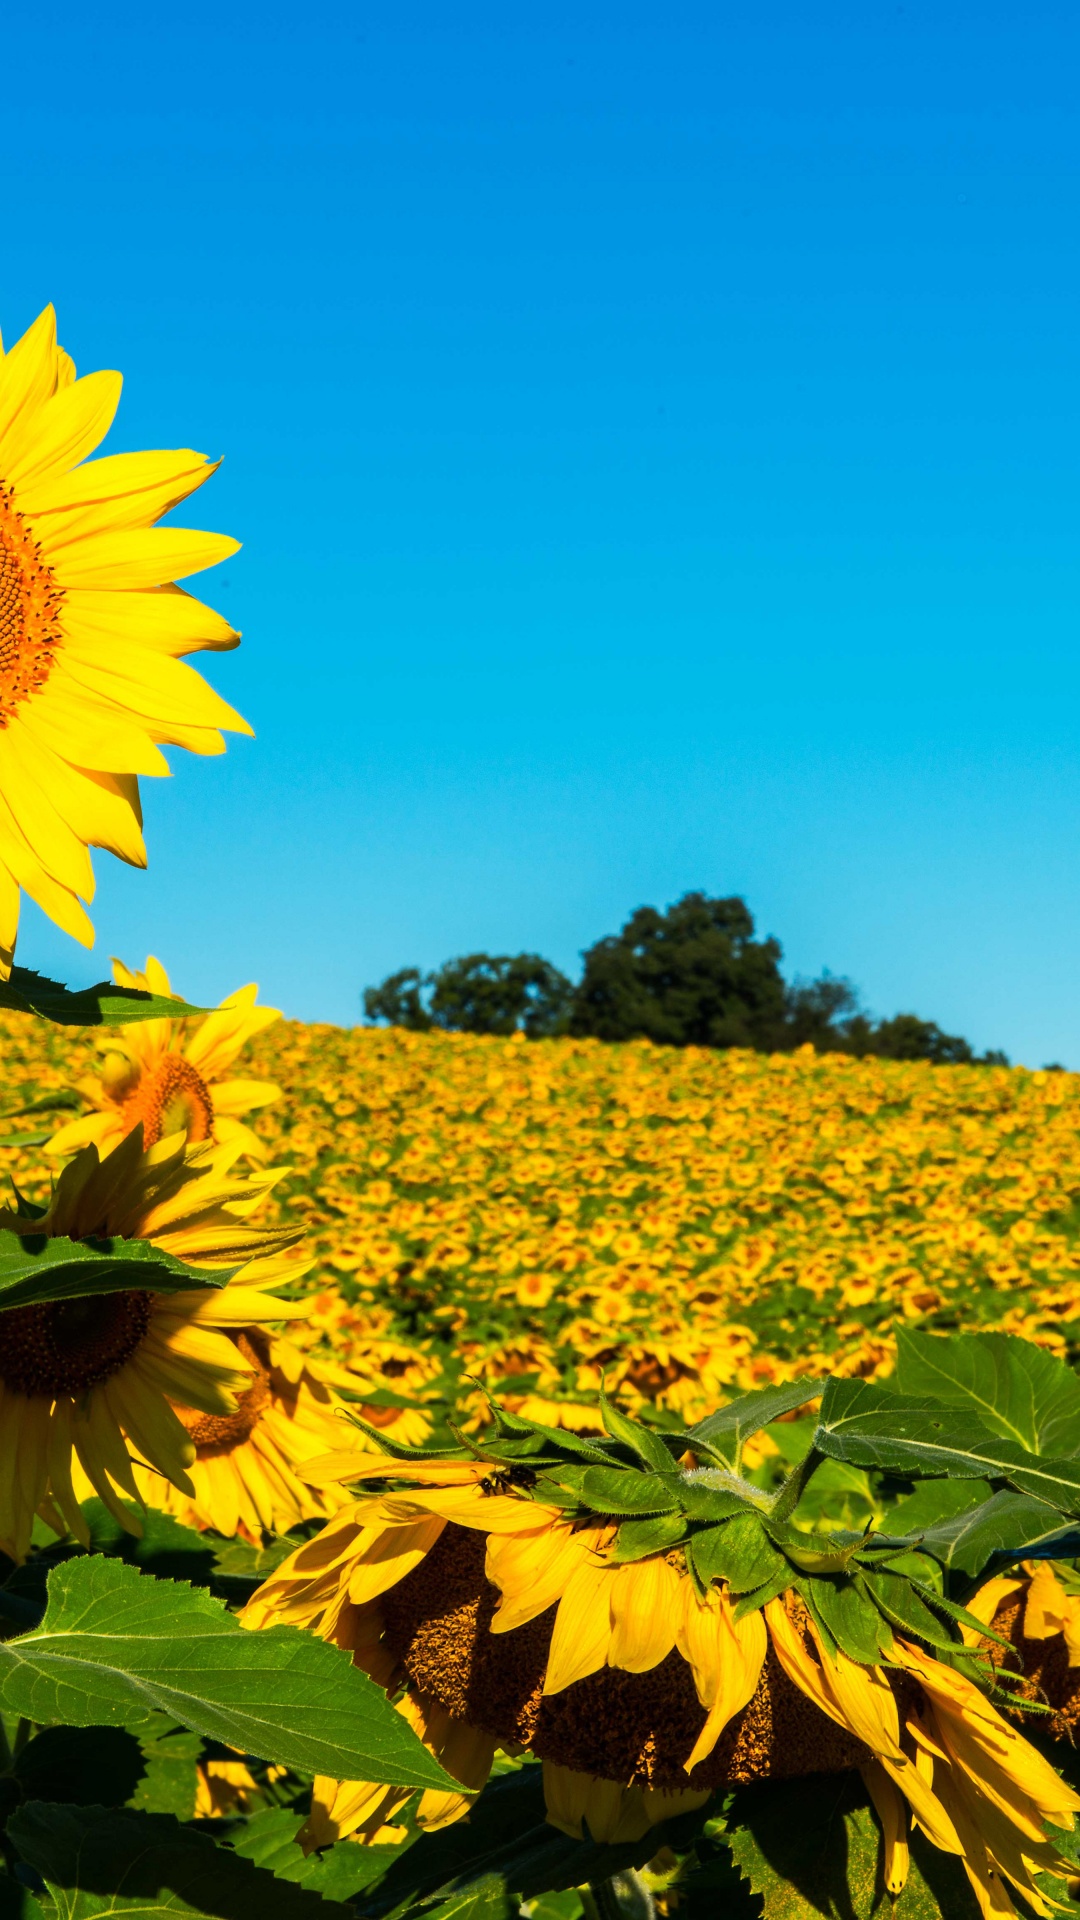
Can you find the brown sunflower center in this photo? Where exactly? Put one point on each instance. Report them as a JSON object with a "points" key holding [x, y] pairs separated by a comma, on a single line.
{"points": [[172, 1099], [69, 1345], [215, 1433], [30, 604]]}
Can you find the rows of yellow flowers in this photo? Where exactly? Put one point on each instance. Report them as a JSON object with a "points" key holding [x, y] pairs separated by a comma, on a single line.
{"points": [[535, 1216]]}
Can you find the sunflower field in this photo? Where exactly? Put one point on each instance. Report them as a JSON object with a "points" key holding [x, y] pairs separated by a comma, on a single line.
{"points": [[446, 1478], [538, 1216]]}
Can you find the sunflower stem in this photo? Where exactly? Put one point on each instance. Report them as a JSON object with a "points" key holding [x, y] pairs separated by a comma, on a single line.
{"points": [[791, 1492], [624, 1897]]}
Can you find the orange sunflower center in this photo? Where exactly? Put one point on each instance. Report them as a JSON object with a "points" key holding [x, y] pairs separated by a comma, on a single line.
{"points": [[30, 604], [67, 1346], [172, 1099], [215, 1433]]}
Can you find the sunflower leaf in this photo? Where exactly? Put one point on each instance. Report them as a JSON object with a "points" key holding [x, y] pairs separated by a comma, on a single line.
{"points": [[97, 1860], [868, 1427], [1017, 1390], [812, 1846], [39, 1267], [738, 1551], [726, 1431], [103, 1005], [902, 1607], [614, 1490], [648, 1447], [1004, 1528], [637, 1539], [116, 1643], [851, 1618]]}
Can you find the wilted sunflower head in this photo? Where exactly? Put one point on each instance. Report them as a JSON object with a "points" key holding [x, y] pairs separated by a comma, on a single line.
{"points": [[92, 628], [100, 1375], [654, 1629], [170, 1076]]}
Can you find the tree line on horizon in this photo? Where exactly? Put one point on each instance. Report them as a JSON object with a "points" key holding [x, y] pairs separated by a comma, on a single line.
{"points": [[693, 976]]}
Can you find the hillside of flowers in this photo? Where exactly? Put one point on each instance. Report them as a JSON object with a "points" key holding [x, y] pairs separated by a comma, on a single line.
{"points": [[532, 1217]]}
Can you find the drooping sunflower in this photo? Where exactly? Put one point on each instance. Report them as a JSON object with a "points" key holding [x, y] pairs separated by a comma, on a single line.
{"points": [[92, 627], [1035, 1614], [99, 1377], [168, 1075], [529, 1606]]}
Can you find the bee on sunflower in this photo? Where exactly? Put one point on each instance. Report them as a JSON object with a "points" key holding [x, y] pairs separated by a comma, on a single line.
{"points": [[653, 1630], [98, 1379], [172, 1076], [92, 630]]}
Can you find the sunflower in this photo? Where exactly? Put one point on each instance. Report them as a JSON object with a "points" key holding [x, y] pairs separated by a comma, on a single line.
{"points": [[512, 1621], [167, 1075], [99, 1377], [1036, 1613], [248, 1471], [91, 630]]}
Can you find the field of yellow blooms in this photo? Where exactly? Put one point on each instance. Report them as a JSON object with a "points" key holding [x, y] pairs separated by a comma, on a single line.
{"points": [[533, 1216]]}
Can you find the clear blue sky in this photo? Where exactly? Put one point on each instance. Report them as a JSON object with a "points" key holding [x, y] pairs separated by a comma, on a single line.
{"points": [[653, 433]]}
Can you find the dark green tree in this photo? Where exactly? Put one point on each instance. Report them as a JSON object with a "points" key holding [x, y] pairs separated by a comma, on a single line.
{"points": [[396, 1001], [478, 993], [693, 976], [500, 993]]}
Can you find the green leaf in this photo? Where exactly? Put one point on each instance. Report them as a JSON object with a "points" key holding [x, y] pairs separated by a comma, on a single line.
{"points": [[726, 1431], [268, 1839], [1007, 1527], [39, 1267], [850, 1617], [170, 1778], [115, 1643], [637, 1539], [1015, 1389], [902, 1607], [812, 1847], [740, 1552], [934, 1500], [863, 1424], [701, 1500], [95, 1860], [104, 1005], [622, 1490], [648, 1447], [485, 1900]]}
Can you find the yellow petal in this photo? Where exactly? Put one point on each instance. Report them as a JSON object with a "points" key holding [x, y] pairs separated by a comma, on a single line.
{"points": [[27, 376], [891, 1809], [582, 1632], [167, 618], [61, 432], [131, 489], [646, 1606]]}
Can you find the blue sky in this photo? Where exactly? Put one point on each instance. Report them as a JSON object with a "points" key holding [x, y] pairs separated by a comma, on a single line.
{"points": [[653, 434]]}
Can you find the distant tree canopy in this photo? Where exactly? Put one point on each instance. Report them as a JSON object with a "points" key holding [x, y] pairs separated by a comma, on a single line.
{"points": [[693, 976], [478, 993]]}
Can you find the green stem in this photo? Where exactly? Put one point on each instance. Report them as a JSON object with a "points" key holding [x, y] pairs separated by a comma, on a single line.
{"points": [[624, 1897], [789, 1495], [605, 1899]]}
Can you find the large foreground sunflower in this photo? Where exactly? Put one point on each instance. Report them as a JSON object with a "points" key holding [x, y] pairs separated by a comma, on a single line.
{"points": [[99, 1377], [91, 629], [517, 1613], [168, 1076]]}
